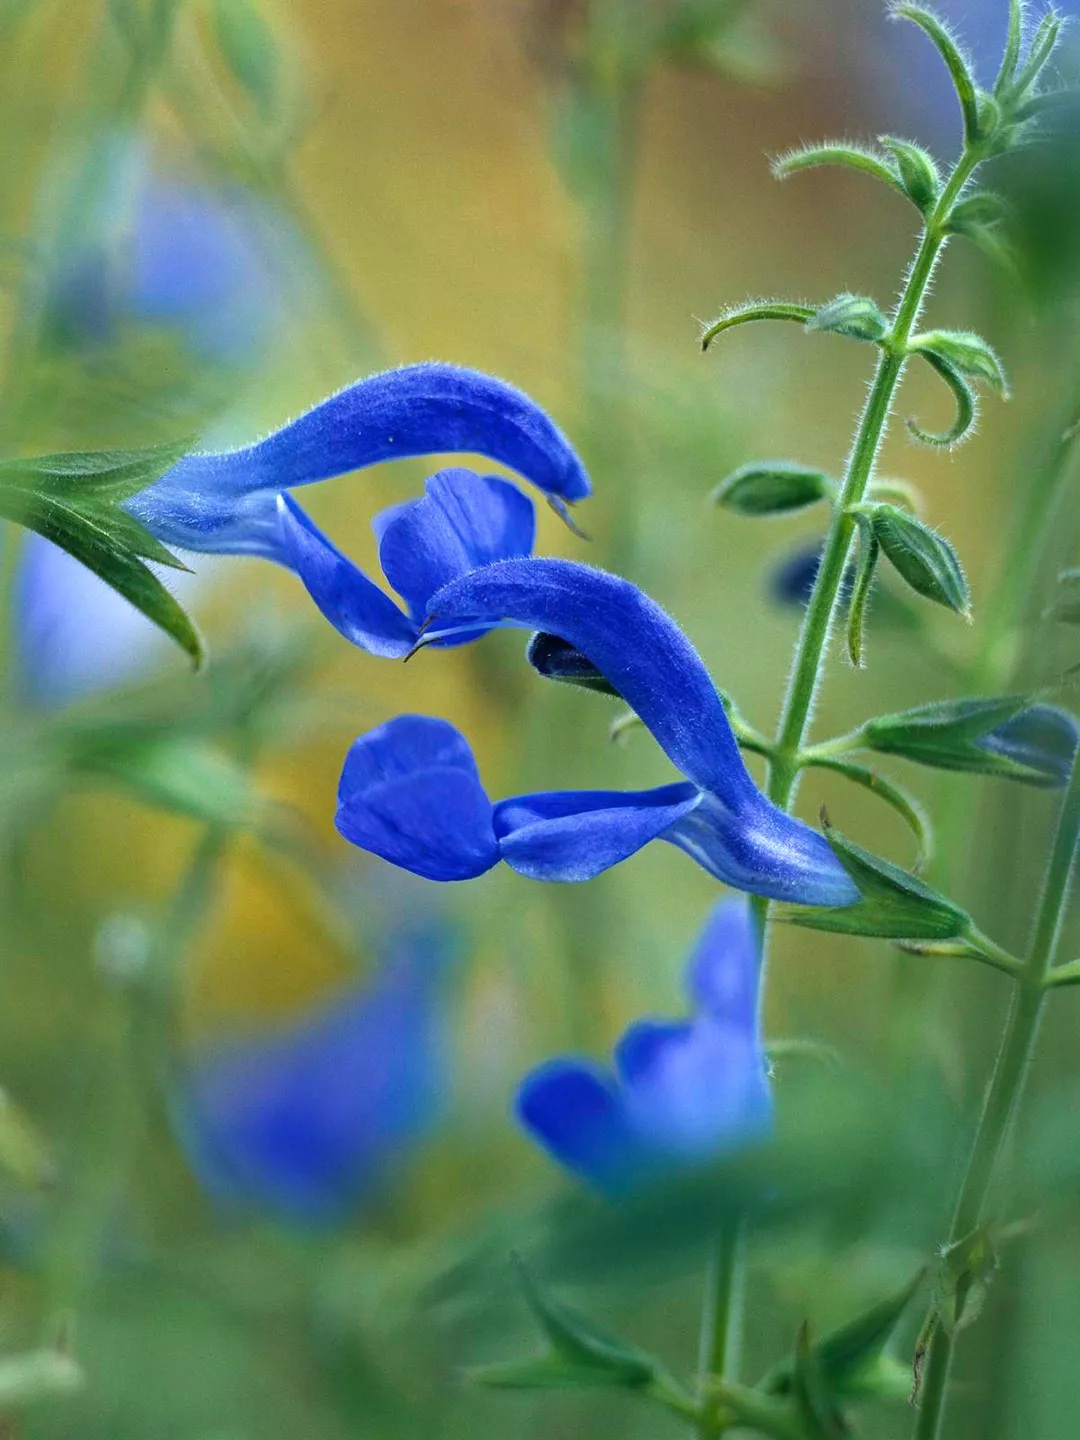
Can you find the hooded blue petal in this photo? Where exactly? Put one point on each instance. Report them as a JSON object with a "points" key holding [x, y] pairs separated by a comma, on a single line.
{"points": [[462, 521], [575, 834], [308, 1121], [572, 1108], [1041, 737], [736, 834], [410, 792], [723, 974], [353, 604], [225, 502]]}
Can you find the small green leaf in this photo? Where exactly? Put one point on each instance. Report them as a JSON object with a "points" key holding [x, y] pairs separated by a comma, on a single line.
{"points": [[1014, 39], [918, 172], [966, 405], [987, 237], [103, 475], [955, 60], [580, 1341], [812, 1394], [894, 904], [755, 310], [250, 51], [772, 488], [1043, 44], [977, 207], [836, 152], [905, 805], [1066, 604], [966, 1270], [189, 777], [923, 558], [967, 352], [869, 551], [856, 316]]}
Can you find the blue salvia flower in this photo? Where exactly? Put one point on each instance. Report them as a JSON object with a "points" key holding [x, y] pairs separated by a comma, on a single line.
{"points": [[310, 1122], [410, 790], [792, 578], [1041, 738], [682, 1092], [73, 635], [227, 502], [463, 520]]}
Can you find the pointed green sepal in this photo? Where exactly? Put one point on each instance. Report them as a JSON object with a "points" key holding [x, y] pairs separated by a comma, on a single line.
{"points": [[950, 735], [894, 905], [756, 310], [849, 1357], [895, 796], [856, 316], [773, 488], [1043, 44], [918, 173], [967, 406], [918, 554], [869, 552], [836, 152], [1013, 42], [977, 207], [964, 351], [955, 60]]}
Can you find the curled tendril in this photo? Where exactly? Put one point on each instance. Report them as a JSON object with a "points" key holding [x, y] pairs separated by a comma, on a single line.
{"points": [[967, 405]]}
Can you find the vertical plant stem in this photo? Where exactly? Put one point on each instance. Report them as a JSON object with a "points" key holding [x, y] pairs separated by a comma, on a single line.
{"points": [[1007, 1083], [719, 1341]]}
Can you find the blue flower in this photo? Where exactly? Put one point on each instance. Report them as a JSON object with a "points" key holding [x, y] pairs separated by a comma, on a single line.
{"points": [[410, 790], [463, 520], [227, 502], [73, 634], [682, 1092], [309, 1122], [1041, 738]]}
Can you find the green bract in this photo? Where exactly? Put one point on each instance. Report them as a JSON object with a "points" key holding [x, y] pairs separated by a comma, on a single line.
{"points": [[923, 558], [772, 488]]}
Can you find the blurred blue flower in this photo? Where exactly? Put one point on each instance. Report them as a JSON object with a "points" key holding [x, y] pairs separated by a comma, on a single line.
{"points": [[1041, 738], [310, 1122], [682, 1092], [791, 580], [463, 520], [227, 502], [410, 790], [73, 635]]}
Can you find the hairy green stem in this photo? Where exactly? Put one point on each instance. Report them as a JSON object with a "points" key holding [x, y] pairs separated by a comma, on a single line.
{"points": [[720, 1321], [1007, 1083]]}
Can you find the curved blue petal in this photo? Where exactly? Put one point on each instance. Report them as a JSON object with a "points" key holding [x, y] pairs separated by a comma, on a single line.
{"points": [[572, 1108], [353, 604], [1042, 738], [572, 835], [410, 792], [308, 1121], [224, 502], [759, 849], [736, 834], [463, 521], [693, 1092], [630, 640], [723, 974]]}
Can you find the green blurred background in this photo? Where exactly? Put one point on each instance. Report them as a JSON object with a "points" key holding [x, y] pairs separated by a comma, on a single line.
{"points": [[444, 183]]}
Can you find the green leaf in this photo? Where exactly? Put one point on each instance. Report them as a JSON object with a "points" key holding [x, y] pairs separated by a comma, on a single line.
{"points": [[918, 173], [906, 806], [836, 152], [856, 316], [964, 351], [923, 558], [772, 488], [582, 1355], [946, 735], [812, 1393], [1066, 604], [918, 554], [869, 550], [103, 475], [847, 1354], [756, 310], [977, 207], [1014, 39], [958, 65], [187, 776], [894, 904], [987, 237], [250, 51], [966, 405], [1043, 44]]}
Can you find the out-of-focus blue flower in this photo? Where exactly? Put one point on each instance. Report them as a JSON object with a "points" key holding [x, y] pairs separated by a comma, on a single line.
{"points": [[682, 1092], [410, 790], [73, 634], [227, 502], [1042, 738], [309, 1122], [463, 520], [793, 577]]}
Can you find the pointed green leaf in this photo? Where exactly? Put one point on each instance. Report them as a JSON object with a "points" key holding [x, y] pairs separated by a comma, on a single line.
{"points": [[189, 777], [918, 172], [856, 316], [894, 904], [250, 51], [1043, 44], [836, 152], [812, 1393], [756, 310], [905, 805], [869, 551], [979, 207], [103, 475], [923, 558], [958, 66], [966, 405], [967, 352], [772, 488], [1013, 41]]}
